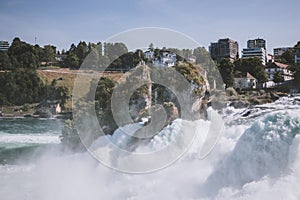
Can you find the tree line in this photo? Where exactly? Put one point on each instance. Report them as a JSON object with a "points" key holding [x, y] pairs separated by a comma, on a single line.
{"points": [[288, 58], [21, 86], [23, 55], [20, 82]]}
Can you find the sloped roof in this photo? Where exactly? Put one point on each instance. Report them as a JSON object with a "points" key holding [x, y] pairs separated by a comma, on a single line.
{"points": [[244, 75], [277, 65], [250, 76]]}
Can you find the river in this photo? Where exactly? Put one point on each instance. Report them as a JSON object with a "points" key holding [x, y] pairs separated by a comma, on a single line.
{"points": [[256, 157]]}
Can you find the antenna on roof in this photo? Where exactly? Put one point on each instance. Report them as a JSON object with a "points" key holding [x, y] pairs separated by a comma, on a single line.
{"points": [[35, 40]]}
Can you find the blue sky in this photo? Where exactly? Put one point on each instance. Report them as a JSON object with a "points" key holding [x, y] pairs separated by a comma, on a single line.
{"points": [[62, 22]]}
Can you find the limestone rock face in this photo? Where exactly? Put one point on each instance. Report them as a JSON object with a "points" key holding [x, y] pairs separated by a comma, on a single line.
{"points": [[179, 100]]}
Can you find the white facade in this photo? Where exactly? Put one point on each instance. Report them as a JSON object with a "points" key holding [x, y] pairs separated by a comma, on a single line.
{"points": [[247, 82], [270, 58], [287, 75], [166, 59], [149, 55], [255, 52], [274, 67], [191, 59]]}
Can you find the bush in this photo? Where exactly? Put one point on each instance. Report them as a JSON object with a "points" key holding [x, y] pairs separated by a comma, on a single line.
{"points": [[25, 107], [231, 92]]}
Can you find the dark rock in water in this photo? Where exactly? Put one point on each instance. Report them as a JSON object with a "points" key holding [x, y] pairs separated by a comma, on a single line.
{"points": [[282, 94], [44, 115], [274, 96], [209, 104], [68, 115], [239, 104], [246, 113]]}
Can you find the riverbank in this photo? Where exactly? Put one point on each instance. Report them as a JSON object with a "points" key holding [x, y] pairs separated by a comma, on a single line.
{"points": [[244, 99], [233, 98], [31, 111]]}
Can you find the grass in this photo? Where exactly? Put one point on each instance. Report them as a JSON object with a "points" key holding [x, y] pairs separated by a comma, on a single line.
{"points": [[66, 77]]}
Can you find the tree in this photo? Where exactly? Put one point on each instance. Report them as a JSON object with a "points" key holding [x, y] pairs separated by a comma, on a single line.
{"points": [[59, 93], [102, 99], [92, 46], [23, 55], [81, 51], [72, 61], [186, 52], [5, 62], [287, 57], [104, 61], [278, 77], [297, 46], [20, 86], [92, 60], [295, 68], [151, 47], [226, 69], [156, 53], [104, 92], [203, 59], [49, 53], [127, 61], [253, 66], [114, 51]]}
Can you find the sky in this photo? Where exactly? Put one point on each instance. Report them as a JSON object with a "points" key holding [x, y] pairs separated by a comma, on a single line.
{"points": [[63, 22]]}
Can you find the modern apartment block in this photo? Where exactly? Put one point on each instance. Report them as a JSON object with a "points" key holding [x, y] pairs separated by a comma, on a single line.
{"points": [[279, 51], [255, 52], [224, 48], [256, 48], [256, 43], [4, 45]]}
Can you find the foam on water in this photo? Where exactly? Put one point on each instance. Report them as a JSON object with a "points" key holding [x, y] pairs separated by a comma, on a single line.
{"points": [[263, 150], [259, 160], [29, 138]]}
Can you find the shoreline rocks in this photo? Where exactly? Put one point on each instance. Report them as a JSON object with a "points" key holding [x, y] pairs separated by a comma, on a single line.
{"points": [[248, 98]]}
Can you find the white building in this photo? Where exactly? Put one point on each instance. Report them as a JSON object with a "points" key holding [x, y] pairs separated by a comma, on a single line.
{"points": [[270, 58], [255, 52], [274, 67], [149, 55], [245, 81], [166, 59], [191, 59], [4, 45]]}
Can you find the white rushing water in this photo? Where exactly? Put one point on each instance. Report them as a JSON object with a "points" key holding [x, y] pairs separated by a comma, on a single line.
{"points": [[257, 157], [30, 138]]}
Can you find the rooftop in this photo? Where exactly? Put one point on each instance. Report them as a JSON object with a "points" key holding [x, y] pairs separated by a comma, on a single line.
{"points": [[277, 65]]}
